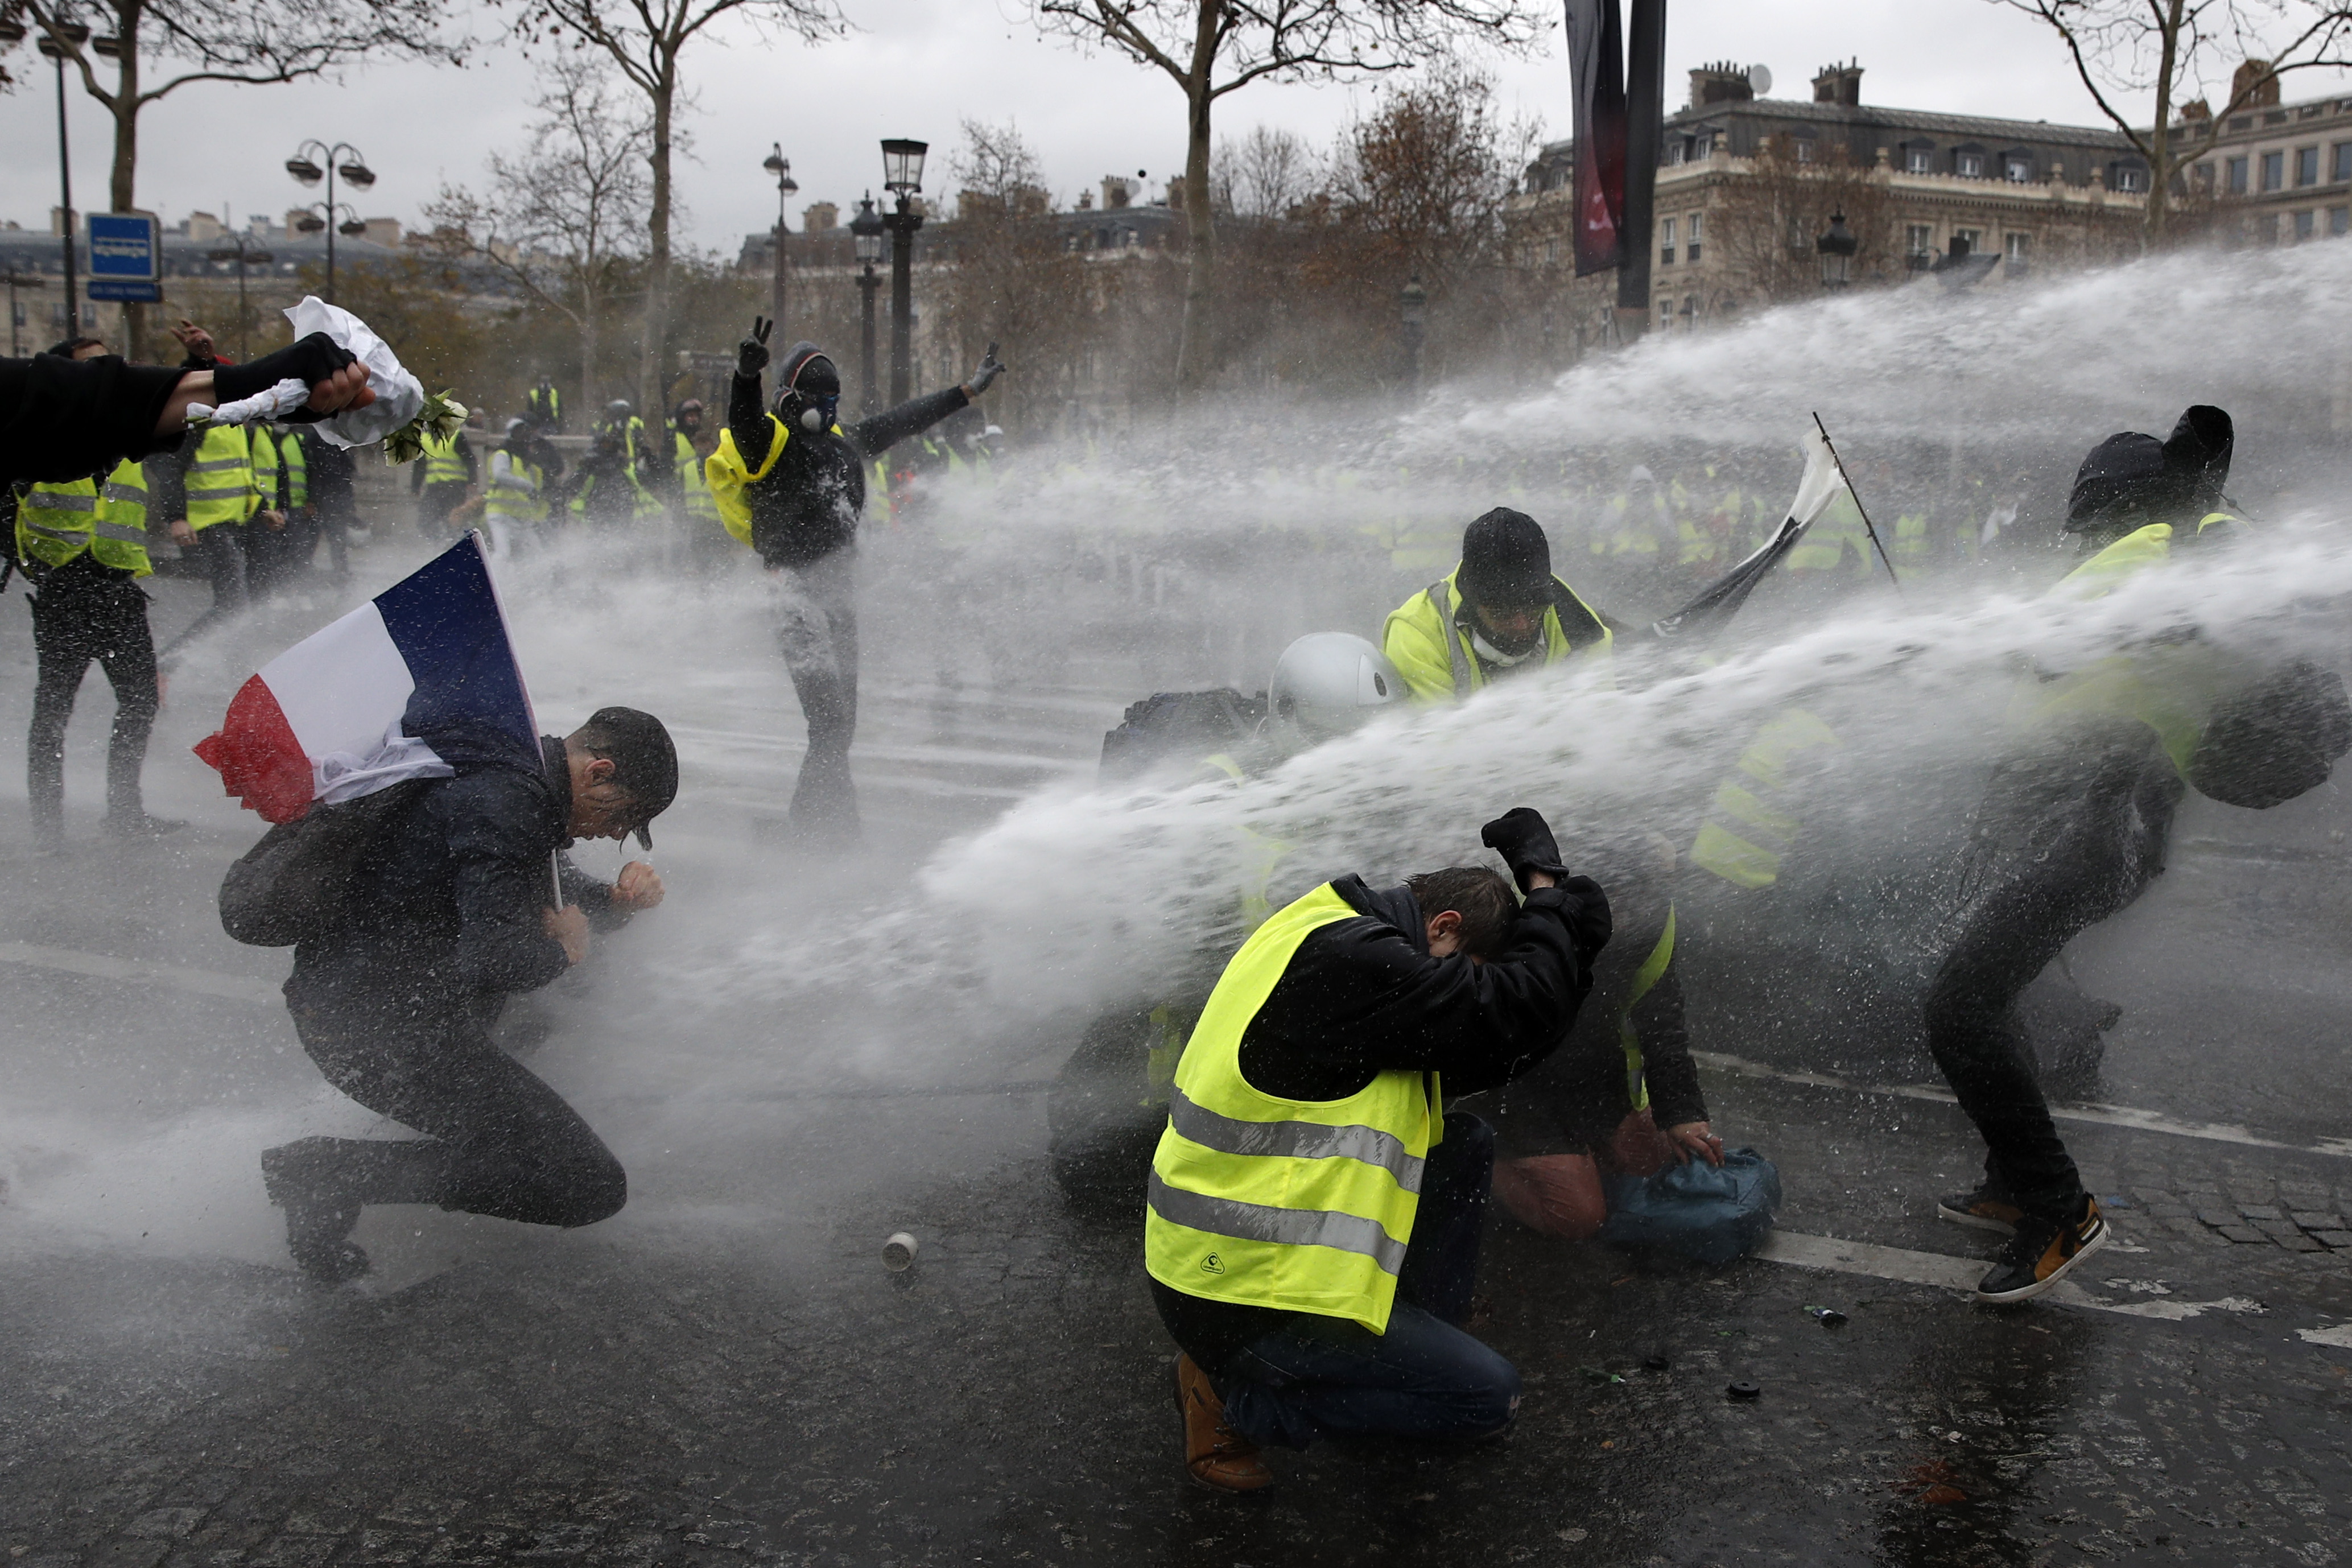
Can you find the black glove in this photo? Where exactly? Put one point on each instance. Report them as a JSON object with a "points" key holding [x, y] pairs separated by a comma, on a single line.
{"points": [[991, 367], [752, 353], [1522, 837], [309, 361]]}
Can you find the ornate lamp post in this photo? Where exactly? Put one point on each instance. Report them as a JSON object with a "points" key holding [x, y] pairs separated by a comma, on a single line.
{"points": [[1413, 314], [902, 174], [244, 253], [354, 171], [786, 187], [1836, 248], [866, 227], [57, 45]]}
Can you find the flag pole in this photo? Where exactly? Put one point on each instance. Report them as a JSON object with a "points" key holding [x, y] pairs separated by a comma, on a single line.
{"points": [[1857, 494], [555, 866]]}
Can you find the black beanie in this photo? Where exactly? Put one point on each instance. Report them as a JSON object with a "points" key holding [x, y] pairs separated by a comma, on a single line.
{"points": [[1506, 562]]}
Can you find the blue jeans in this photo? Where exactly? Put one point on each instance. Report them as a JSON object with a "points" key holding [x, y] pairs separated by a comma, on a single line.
{"points": [[1425, 1378]]}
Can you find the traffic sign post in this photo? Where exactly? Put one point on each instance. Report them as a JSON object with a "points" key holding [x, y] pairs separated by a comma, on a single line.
{"points": [[126, 258]]}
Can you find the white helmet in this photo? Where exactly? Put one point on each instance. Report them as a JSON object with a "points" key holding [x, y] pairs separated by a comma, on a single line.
{"points": [[1327, 683]]}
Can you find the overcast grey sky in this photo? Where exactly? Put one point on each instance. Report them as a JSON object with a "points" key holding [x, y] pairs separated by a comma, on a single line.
{"points": [[916, 68]]}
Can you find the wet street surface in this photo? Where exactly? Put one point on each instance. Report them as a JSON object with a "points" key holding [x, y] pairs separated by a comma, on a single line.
{"points": [[726, 1371]]}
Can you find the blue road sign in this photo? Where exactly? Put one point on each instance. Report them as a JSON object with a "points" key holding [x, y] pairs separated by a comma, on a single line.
{"points": [[124, 248], [126, 291]]}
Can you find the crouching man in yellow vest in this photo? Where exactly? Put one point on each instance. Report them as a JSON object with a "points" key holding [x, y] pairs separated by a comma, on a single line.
{"points": [[1311, 1230]]}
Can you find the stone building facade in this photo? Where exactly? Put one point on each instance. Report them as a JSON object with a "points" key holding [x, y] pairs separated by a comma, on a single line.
{"points": [[1746, 184], [2277, 173]]}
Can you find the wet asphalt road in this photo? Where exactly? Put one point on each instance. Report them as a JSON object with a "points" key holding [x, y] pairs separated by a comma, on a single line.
{"points": [[726, 1374]]}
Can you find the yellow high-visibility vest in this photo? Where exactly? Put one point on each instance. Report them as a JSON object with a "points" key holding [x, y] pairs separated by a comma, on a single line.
{"points": [[1433, 651], [1295, 1206], [56, 522], [220, 482], [695, 482], [443, 466]]}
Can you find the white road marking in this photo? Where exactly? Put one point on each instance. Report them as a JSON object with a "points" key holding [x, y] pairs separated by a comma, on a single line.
{"points": [[2340, 1335], [1948, 1273], [2099, 1115], [204, 982]]}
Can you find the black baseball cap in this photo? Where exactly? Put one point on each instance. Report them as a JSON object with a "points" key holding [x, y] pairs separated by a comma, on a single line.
{"points": [[644, 758], [1506, 562]]}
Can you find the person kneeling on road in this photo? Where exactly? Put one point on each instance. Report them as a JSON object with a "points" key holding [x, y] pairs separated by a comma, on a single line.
{"points": [[447, 916], [1312, 1227]]}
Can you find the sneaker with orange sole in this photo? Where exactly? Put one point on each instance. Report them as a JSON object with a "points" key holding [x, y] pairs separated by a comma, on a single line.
{"points": [[2044, 1252], [1215, 1454]]}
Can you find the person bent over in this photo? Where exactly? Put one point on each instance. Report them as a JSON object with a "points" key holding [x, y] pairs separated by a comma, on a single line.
{"points": [[1311, 1231], [448, 913]]}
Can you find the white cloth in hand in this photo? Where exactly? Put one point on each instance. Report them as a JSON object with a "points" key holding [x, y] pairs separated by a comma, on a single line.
{"points": [[399, 396], [284, 397]]}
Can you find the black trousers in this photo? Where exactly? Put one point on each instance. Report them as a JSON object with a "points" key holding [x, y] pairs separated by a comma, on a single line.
{"points": [[82, 613], [2067, 835], [497, 1141], [816, 628], [222, 548]]}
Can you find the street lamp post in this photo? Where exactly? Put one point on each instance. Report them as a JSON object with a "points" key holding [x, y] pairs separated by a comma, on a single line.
{"points": [[1412, 316], [902, 174], [867, 228], [781, 167], [1836, 247], [310, 172], [58, 45], [242, 253]]}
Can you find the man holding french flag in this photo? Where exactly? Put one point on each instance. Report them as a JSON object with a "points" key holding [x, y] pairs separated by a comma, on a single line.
{"points": [[418, 871]]}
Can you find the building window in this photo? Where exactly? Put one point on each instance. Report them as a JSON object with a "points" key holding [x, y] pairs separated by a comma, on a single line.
{"points": [[2339, 161], [2204, 176], [1970, 166], [2017, 168], [2306, 225], [2241, 122], [2019, 247], [2129, 178], [2306, 165], [2274, 171], [1804, 149], [1665, 313], [1551, 253], [1920, 160], [2340, 221], [1666, 243], [2237, 168], [1918, 239], [1691, 253]]}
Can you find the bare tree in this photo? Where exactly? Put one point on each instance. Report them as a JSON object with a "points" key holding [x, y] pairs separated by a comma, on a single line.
{"points": [[2172, 48], [645, 38], [256, 43], [1264, 174], [1423, 180], [997, 174], [563, 220], [1211, 49], [1764, 228]]}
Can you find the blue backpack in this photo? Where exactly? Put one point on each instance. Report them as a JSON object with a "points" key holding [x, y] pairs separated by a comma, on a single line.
{"points": [[1708, 1213]]}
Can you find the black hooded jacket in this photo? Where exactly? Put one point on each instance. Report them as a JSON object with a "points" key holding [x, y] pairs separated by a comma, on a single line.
{"points": [[808, 505], [446, 906]]}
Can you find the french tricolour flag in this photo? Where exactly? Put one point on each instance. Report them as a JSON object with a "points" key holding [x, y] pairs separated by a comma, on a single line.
{"points": [[347, 711]]}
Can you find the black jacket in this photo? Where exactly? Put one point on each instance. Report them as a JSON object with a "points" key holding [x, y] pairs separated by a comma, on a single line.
{"points": [[446, 906], [67, 420], [809, 504]]}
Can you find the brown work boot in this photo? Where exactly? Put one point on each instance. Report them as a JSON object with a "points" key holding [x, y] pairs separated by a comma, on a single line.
{"points": [[1215, 1454]]}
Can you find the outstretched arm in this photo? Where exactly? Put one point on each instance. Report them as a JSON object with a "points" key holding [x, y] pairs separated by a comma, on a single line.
{"points": [[873, 436]]}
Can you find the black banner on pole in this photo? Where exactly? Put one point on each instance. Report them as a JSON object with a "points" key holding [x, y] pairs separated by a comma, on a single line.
{"points": [[1645, 93], [1595, 59]]}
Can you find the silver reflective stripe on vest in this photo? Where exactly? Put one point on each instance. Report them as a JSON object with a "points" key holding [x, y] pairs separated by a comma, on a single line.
{"points": [[1294, 1140], [1287, 1228], [126, 492], [76, 537], [1452, 634], [59, 500], [123, 532]]}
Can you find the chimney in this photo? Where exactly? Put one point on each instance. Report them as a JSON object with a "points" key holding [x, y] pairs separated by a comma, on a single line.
{"points": [[818, 216], [1114, 192], [203, 227], [1839, 84], [1723, 82], [2254, 85], [384, 231]]}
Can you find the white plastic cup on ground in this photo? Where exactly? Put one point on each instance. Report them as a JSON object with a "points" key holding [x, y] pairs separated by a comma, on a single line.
{"points": [[898, 1252]]}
